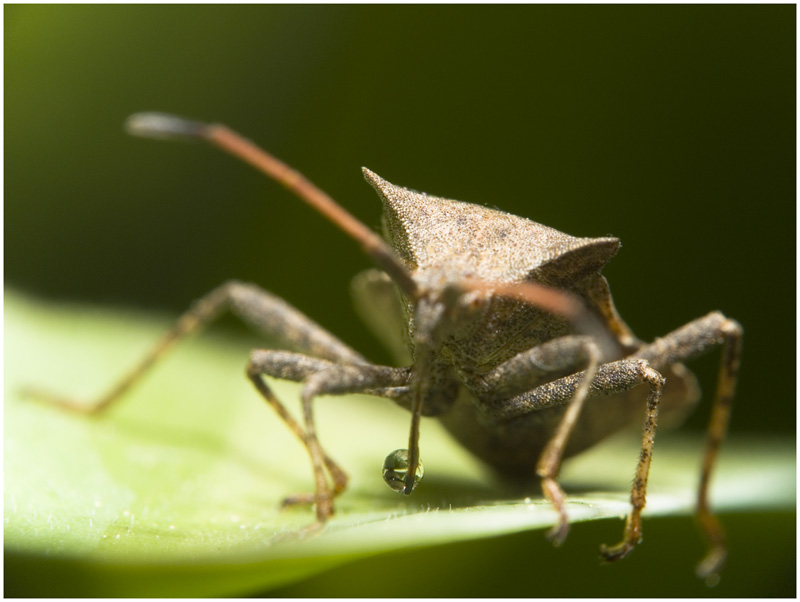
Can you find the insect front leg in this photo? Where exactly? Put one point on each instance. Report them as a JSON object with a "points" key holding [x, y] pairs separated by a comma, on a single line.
{"points": [[532, 366], [319, 377]]}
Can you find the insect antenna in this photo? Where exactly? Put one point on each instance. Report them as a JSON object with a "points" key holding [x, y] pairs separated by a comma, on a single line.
{"points": [[171, 127]]}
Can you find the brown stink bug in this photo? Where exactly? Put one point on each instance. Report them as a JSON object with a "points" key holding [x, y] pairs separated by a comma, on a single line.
{"points": [[509, 334]]}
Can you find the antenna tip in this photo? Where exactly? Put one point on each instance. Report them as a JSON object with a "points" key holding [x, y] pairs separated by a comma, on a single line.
{"points": [[164, 126]]}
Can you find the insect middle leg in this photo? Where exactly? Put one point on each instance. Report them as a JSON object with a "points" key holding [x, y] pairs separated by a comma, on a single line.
{"points": [[692, 340]]}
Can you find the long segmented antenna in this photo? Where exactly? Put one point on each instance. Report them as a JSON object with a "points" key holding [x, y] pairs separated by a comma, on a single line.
{"points": [[170, 127]]}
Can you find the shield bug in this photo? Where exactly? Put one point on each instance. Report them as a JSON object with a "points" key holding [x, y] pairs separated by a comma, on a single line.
{"points": [[507, 332]]}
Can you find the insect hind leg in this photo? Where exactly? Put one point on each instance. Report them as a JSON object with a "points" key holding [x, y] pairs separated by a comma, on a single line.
{"points": [[263, 311]]}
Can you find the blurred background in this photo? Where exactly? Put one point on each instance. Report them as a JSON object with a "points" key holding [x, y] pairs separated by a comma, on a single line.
{"points": [[671, 127]]}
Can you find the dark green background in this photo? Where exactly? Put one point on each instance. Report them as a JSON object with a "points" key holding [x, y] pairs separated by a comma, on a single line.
{"points": [[671, 127]]}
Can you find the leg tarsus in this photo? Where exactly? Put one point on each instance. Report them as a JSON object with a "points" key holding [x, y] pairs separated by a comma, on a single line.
{"points": [[553, 492], [64, 403], [712, 564], [631, 537], [337, 475], [298, 499]]}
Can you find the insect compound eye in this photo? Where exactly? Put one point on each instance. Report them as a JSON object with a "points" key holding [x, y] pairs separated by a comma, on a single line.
{"points": [[395, 469]]}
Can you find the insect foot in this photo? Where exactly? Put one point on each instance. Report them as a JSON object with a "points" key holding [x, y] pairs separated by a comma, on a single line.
{"points": [[632, 536]]}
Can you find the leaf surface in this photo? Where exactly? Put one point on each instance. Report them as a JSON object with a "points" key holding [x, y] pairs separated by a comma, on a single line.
{"points": [[176, 491]]}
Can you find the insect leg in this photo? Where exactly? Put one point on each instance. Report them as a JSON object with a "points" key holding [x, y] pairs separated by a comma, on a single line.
{"points": [[319, 377], [263, 311], [550, 460], [610, 378], [692, 340], [630, 373], [535, 365]]}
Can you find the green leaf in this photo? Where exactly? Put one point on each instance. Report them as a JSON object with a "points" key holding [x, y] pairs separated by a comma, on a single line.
{"points": [[176, 491]]}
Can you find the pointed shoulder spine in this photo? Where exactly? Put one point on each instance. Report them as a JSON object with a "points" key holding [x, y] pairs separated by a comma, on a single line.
{"points": [[374, 179]]}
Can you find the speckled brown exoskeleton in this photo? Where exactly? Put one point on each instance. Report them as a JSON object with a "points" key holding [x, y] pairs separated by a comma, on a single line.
{"points": [[506, 332]]}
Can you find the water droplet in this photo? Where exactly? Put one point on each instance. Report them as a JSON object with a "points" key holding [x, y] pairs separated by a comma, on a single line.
{"points": [[395, 469]]}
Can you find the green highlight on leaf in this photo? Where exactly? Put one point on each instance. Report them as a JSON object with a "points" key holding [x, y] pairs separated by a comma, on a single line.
{"points": [[177, 491]]}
